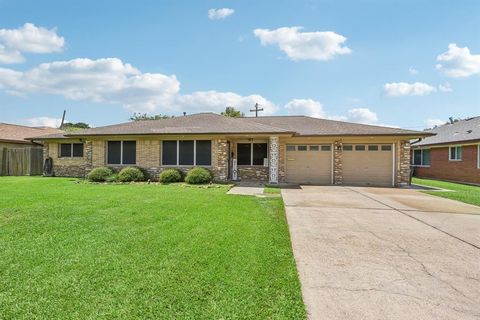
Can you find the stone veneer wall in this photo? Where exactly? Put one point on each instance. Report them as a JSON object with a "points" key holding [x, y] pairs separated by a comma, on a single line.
{"points": [[253, 173], [220, 160], [281, 162], [403, 167], [337, 163], [65, 167]]}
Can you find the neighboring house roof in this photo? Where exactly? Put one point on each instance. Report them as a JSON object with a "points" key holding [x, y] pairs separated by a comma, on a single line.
{"points": [[14, 133], [467, 130], [211, 123]]}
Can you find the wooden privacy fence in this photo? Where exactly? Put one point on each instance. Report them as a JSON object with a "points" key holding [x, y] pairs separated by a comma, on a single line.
{"points": [[21, 161]]}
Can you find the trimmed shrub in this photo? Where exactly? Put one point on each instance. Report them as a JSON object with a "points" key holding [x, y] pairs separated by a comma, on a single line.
{"points": [[130, 174], [112, 178], [170, 175], [198, 175], [100, 174]]}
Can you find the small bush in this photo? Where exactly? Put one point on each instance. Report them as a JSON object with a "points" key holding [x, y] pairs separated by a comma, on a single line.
{"points": [[99, 174], [170, 175], [112, 178], [198, 176], [130, 174]]}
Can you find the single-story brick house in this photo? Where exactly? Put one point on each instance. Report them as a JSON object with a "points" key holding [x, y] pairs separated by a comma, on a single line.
{"points": [[453, 153], [272, 149]]}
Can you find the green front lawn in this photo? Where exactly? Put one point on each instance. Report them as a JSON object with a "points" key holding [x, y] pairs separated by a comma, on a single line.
{"points": [[460, 192], [74, 250]]}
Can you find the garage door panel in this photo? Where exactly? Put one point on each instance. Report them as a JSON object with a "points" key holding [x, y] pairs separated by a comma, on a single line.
{"points": [[367, 167], [309, 166]]}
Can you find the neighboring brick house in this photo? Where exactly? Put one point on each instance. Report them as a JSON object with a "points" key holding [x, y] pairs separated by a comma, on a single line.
{"points": [[452, 154], [277, 149]]}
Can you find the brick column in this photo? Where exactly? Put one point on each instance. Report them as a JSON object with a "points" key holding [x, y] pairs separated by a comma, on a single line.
{"points": [[220, 169], [403, 167], [273, 160], [88, 156], [337, 163]]}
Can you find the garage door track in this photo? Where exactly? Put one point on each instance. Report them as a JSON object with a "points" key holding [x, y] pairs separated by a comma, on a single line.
{"points": [[384, 253]]}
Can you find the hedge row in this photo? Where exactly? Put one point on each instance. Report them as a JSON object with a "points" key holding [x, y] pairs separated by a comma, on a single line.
{"points": [[194, 176]]}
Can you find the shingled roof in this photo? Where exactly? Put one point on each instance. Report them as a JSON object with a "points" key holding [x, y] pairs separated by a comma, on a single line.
{"points": [[14, 133], [467, 130], [308, 126], [211, 123]]}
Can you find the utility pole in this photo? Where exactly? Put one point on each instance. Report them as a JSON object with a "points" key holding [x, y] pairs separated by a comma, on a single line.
{"points": [[63, 119], [257, 108]]}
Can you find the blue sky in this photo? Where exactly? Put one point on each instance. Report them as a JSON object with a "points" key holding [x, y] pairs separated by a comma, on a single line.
{"points": [[402, 63]]}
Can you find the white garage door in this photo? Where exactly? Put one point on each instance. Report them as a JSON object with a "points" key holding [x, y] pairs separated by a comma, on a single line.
{"points": [[367, 164], [309, 164]]}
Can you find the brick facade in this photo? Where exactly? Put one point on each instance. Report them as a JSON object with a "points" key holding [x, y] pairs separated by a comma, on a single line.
{"points": [[148, 157], [441, 167]]}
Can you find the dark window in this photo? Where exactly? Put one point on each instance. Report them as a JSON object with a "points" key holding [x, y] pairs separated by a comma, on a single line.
{"points": [[360, 147], [456, 153], [78, 149], [347, 147], [313, 148], [426, 157], [129, 154], [260, 151], [185, 152], [290, 148], [169, 153], [302, 148], [372, 147], [204, 153], [417, 157], [244, 153], [66, 150], [325, 148], [386, 147], [114, 152]]}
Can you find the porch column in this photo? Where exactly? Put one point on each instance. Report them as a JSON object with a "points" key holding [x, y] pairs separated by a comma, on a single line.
{"points": [[337, 162], [273, 160]]}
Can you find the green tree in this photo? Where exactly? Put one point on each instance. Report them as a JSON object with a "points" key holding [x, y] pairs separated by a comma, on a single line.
{"points": [[75, 126], [232, 112], [144, 116]]}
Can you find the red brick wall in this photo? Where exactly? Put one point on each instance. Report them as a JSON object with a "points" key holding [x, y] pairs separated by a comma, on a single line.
{"points": [[441, 168]]}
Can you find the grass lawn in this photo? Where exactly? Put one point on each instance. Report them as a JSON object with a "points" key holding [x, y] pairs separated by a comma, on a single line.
{"points": [[73, 250], [460, 192]]}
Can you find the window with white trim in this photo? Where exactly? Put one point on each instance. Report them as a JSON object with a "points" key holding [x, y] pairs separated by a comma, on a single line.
{"points": [[249, 154], [455, 153], [187, 153], [421, 157], [121, 152], [70, 150], [478, 156]]}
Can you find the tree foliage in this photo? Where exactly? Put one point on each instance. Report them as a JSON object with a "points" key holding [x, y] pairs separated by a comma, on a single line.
{"points": [[75, 126], [143, 116], [232, 112]]}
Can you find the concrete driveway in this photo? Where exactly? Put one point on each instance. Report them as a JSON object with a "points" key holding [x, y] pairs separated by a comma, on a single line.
{"points": [[381, 253]]}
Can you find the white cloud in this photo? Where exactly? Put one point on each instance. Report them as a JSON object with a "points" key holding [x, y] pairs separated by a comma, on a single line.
{"points": [[458, 62], [358, 115], [304, 45], [412, 71], [217, 101], [28, 39], [397, 89], [446, 87], [114, 82], [307, 107], [43, 122], [434, 122], [220, 14]]}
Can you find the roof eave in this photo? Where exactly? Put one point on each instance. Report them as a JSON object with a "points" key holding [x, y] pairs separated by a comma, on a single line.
{"points": [[446, 143]]}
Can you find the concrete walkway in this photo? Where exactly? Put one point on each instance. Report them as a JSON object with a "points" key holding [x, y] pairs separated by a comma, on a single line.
{"points": [[380, 253], [247, 191]]}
